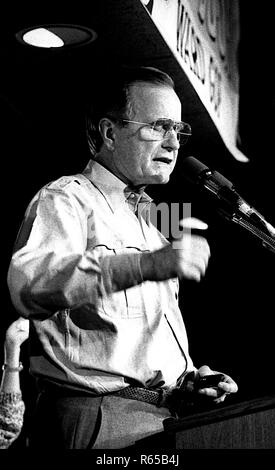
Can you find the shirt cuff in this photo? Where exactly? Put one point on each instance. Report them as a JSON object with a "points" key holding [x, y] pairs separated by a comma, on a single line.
{"points": [[120, 272]]}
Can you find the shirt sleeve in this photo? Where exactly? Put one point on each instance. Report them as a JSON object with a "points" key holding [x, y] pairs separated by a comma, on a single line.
{"points": [[51, 269], [12, 409]]}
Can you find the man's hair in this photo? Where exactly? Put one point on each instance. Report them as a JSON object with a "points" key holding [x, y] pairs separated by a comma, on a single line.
{"points": [[111, 96]]}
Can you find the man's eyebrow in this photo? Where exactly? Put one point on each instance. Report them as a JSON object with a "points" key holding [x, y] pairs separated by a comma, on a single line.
{"points": [[164, 119]]}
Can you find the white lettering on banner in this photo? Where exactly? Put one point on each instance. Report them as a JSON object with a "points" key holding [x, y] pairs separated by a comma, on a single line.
{"points": [[213, 15], [191, 50], [189, 45], [204, 35]]}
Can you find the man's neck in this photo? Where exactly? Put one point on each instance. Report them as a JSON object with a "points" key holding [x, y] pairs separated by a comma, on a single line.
{"points": [[99, 158]]}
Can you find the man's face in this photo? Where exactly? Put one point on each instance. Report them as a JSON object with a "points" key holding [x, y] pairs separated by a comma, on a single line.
{"points": [[140, 161]]}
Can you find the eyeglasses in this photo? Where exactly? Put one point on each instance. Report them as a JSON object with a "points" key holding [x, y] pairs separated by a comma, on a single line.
{"points": [[162, 129]]}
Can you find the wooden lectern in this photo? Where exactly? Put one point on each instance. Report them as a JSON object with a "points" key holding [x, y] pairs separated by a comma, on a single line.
{"points": [[248, 424]]}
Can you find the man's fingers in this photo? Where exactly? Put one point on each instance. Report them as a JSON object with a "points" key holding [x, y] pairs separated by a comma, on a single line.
{"points": [[192, 222]]}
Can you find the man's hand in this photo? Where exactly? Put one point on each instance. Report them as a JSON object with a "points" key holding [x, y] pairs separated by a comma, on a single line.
{"points": [[225, 386], [191, 252], [186, 257]]}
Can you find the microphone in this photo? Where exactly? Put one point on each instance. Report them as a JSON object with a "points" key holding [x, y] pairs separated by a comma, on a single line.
{"points": [[219, 186]]}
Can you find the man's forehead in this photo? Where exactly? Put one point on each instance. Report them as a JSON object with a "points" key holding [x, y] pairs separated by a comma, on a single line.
{"points": [[145, 88], [149, 95]]}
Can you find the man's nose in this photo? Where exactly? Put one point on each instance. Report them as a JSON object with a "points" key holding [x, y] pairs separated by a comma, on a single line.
{"points": [[171, 140]]}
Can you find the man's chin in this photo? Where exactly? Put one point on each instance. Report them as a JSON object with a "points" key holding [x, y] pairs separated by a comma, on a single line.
{"points": [[160, 179]]}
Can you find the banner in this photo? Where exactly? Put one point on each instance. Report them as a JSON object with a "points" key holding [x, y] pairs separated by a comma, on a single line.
{"points": [[203, 35]]}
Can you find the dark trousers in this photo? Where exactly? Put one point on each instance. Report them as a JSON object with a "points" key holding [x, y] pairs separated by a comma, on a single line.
{"points": [[65, 421], [69, 419]]}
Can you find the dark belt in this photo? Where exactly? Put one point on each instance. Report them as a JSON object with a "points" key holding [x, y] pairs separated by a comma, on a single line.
{"points": [[157, 397]]}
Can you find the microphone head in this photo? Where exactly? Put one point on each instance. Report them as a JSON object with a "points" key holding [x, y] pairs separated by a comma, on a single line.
{"points": [[193, 169], [196, 172]]}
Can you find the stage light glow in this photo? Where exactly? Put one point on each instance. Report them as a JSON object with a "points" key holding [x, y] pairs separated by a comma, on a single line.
{"points": [[56, 36], [42, 37]]}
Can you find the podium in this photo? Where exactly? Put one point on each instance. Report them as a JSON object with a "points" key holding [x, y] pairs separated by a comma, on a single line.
{"points": [[248, 424]]}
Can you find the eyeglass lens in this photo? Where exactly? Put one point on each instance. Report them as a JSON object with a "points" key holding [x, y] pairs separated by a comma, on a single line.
{"points": [[163, 128]]}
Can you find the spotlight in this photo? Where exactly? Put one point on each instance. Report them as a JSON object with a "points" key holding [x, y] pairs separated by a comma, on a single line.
{"points": [[56, 35]]}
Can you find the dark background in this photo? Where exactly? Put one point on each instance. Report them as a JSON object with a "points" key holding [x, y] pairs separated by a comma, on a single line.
{"points": [[229, 315]]}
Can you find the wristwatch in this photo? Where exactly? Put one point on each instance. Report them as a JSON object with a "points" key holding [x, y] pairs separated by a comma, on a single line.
{"points": [[13, 369]]}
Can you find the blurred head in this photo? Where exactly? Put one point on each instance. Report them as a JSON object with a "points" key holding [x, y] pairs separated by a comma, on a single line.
{"points": [[132, 127]]}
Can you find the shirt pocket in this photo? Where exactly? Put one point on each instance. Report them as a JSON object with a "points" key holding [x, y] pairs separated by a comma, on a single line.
{"points": [[115, 305]]}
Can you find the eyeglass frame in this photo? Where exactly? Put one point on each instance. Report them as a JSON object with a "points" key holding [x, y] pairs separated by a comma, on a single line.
{"points": [[151, 124]]}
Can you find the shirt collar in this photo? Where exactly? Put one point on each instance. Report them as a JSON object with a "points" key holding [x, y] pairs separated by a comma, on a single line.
{"points": [[115, 191]]}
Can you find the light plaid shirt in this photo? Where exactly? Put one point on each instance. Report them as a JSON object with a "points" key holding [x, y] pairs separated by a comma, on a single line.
{"points": [[75, 273]]}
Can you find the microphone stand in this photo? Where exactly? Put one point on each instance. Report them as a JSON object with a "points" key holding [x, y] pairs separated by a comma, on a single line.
{"points": [[267, 240], [229, 200]]}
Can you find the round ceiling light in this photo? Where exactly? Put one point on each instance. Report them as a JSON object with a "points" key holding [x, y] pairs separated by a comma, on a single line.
{"points": [[56, 35]]}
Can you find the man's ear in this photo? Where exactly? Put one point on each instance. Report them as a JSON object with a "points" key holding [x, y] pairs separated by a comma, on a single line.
{"points": [[106, 129]]}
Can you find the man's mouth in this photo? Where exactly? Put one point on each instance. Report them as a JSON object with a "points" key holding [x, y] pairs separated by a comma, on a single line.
{"points": [[166, 160]]}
